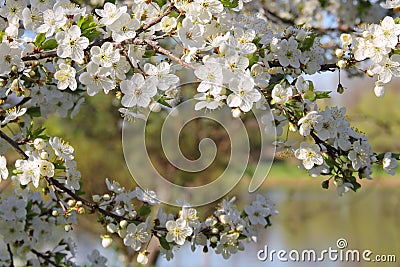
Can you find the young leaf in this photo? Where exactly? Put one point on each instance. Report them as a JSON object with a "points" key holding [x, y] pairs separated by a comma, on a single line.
{"points": [[308, 42], [164, 243], [230, 4], [144, 210], [40, 38], [321, 95], [49, 44]]}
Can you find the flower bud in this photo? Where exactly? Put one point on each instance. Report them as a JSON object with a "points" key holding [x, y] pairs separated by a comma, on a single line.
{"points": [[79, 203], [340, 88], [379, 90], [54, 213], [14, 69], [67, 228], [155, 107], [106, 197], [339, 53], [123, 223], [301, 35], [369, 73], [341, 64], [239, 227], [213, 239], [215, 231], [71, 202], [346, 39], [224, 218], [106, 241], [142, 258], [44, 155], [236, 112], [80, 210], [96, 198]]}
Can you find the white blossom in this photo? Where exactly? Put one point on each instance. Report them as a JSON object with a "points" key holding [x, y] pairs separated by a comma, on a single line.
{"points": [[178, 231], [136, 235], [110, 13], [66, 77], [96, 79], [310, 154], [389, 163], [71, 43], [3, 167], [106, 55], [243, 93], [138, 91]]}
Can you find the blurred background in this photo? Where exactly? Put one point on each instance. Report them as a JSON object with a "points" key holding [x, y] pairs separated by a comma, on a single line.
{"points": [[309, 217]]}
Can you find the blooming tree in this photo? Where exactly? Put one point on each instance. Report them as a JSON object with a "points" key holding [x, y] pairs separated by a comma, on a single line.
{"points": [[244, 54]]}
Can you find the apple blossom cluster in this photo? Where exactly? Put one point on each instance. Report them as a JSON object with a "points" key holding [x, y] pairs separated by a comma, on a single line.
{"points": [[337, 150], [375, 46], [224, 231], [25, 222], [48, 159]]}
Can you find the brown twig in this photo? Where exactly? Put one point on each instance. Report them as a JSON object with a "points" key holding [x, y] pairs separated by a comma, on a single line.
{"points": [[157, 48], [156, 20], [14, 145], [53, 53], [11, 255], [86, 202], [46, 258], [59, 201]]}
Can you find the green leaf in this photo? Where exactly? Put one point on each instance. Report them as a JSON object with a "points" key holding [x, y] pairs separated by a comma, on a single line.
{"points": [[173, 14], [40, 38], [149, 53], [1, 36], [91, 35], [59, 166], [230, 4], [80, 21], [34, 111], [144, 210], [163, 101], [308, 42], [86, 22], [49, 44], [322, 95], [253, 59], [242, 237], [161, 3], [310, 95], [164, 243]]}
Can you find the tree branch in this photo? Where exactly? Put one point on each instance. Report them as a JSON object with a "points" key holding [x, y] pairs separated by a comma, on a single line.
{"points": [[11, 255], [46, 258], [14, 145], [53, 53], [156, 20], [86, 202], [161, 50]]}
